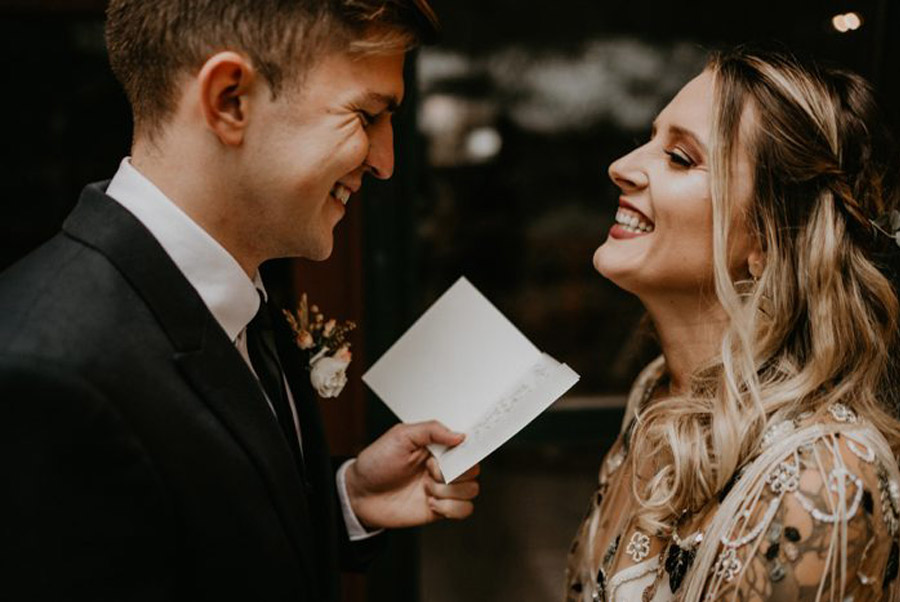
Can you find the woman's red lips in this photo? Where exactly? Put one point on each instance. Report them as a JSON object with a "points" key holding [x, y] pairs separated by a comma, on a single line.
{"points": [[627, 205], [630, 222]]}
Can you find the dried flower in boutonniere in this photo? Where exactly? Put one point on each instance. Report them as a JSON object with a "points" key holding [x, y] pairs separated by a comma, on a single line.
{"points": [[889, 224], [326, 345]]}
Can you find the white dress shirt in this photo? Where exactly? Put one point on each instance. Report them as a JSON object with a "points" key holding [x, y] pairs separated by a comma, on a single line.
{"points": [[225, 288]]}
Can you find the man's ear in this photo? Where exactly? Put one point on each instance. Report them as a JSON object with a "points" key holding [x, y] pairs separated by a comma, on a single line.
{"points": [[225, 81]]}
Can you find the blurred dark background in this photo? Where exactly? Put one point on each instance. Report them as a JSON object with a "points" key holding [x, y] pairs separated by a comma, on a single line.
{"points": [[503, 144]]}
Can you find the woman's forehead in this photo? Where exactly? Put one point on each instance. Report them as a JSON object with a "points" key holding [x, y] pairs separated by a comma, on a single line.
{"points": [[691, 109]]}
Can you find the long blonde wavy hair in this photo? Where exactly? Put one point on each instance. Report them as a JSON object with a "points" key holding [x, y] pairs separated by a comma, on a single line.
{"points": [[820, 324]]}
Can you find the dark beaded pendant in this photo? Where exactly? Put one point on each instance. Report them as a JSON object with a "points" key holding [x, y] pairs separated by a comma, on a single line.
{"points": [[678, 561]]}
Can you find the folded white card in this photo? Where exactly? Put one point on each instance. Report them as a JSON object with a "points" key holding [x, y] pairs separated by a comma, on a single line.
{"points": [[464, 364]]}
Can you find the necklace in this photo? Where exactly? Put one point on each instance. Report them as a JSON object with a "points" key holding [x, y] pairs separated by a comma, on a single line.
{"points": [[680, 557]]}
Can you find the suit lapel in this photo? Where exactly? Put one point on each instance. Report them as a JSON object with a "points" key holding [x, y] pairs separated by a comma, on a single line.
{"points": [[205, 356], [316, 455], [236, 401]]}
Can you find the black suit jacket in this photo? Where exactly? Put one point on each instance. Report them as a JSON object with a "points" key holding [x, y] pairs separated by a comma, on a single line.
{"points": [[139, 459]]}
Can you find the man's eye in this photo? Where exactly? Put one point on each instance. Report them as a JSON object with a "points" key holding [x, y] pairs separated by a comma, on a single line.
{"points": [[679, 158], [366, 118]]}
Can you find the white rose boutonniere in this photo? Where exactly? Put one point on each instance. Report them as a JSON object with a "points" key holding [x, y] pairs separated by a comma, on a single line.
{"points": [[328, 374], [326, 346]]}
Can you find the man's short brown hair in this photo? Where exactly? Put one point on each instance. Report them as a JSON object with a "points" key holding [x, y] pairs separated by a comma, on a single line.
{"points": [[152, 43]]}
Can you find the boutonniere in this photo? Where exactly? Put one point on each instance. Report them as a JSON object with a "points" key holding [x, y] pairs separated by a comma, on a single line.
{"points": [[889, 224], [325, 345]]}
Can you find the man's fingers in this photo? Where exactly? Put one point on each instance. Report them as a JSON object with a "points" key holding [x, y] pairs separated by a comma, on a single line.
{"points": [[426, 433], [469, 474], [455, 509], [467, 490], [434, 470]]}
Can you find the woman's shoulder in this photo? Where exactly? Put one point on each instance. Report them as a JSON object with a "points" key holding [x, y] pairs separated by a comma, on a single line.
{"points": [[815, 514], [834, 441]]}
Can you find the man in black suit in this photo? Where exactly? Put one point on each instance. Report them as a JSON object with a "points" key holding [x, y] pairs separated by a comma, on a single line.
{"points": [[158, 432]]}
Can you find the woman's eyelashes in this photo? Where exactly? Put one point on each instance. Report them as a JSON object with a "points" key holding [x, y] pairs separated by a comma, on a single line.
{"points": [[679, 158]]}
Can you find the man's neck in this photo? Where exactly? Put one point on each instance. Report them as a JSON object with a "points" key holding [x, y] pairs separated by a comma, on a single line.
{"points": [[196, 188]]}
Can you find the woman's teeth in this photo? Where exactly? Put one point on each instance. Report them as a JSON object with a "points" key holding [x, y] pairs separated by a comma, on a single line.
{"points": [[341, 193], [632, 222]]}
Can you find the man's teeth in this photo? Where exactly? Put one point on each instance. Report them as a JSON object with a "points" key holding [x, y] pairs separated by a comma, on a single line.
{"points": [[632, 222], [341, 193]]}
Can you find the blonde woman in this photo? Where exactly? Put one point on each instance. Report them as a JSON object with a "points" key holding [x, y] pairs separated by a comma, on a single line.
{"points": [[757, 459]]}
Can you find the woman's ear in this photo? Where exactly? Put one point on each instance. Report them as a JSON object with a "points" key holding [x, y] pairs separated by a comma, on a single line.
{"points": [[756, 262], [224, 82]]}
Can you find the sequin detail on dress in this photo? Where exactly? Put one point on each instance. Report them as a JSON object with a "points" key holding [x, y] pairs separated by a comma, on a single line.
{"points": [[638, 546]]}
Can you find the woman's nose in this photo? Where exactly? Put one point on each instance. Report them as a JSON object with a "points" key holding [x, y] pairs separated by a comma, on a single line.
{"points": [[627, 172]]}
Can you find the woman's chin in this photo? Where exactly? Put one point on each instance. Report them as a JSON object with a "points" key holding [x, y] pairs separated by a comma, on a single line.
{"points": [[605, 263], [612, 269]]}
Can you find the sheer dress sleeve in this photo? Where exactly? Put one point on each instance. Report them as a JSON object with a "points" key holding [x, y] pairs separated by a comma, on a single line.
{"points": [[819, 522]]}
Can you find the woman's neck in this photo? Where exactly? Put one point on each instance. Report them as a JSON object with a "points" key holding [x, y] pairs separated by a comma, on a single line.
{"points": [[690, 334]]}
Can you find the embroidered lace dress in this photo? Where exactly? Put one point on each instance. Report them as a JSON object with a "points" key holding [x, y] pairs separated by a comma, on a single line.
{"points": [[814, 515]]}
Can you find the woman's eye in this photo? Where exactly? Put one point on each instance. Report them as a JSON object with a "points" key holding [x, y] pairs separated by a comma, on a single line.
{"points": [[679, 158]]}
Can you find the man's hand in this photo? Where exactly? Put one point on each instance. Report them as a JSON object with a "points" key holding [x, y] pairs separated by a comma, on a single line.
{"points": [[396, 483]]}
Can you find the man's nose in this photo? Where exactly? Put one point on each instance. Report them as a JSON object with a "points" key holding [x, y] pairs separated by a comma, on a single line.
{"points": [[380, 159], [627, 172]]}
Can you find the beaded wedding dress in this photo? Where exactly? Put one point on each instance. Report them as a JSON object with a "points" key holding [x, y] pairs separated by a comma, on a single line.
{"points": [[814, 515]]}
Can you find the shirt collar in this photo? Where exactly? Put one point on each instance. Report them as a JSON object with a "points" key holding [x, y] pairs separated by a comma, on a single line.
{"points": [[225, 288]]}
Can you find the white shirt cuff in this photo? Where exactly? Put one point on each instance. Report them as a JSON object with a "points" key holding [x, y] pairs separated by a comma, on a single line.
{"points": [[354, 528]]}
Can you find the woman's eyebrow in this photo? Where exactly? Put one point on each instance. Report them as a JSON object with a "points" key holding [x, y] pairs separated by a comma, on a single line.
{"points": [[682, 132]]}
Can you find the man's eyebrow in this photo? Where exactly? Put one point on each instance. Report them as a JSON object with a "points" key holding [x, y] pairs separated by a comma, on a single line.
{"points": [[390, 102]]}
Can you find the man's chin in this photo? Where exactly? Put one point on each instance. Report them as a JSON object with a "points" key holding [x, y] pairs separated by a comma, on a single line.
{"points": [[322, 256], [304, 245], [320, 252]]}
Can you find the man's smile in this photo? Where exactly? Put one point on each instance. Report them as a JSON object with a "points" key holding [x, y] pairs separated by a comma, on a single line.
{"points": [[341, 193]]}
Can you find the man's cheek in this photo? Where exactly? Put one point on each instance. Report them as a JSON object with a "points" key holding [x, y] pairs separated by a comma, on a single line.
{"points": [[356, 151]]}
